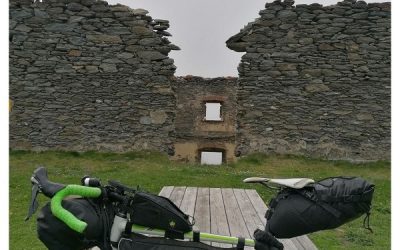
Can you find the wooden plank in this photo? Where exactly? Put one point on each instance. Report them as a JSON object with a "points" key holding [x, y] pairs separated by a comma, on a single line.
{"points": [[261, 208], [189, 201], [177, 195], [202, 210], [219, 222], [297, 243], [306, 243], [250, 215], [288, 244], [257, 203], [237, 226], [166, 191]]}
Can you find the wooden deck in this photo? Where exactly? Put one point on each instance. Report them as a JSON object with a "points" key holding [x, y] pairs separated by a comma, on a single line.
{"points": [[226, 211]]}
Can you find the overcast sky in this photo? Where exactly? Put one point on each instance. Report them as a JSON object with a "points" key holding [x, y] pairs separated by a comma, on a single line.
{"points": [[201, 27]]}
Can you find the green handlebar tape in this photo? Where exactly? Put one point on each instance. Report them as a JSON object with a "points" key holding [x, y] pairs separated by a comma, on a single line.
{"points": [[66, 216]]}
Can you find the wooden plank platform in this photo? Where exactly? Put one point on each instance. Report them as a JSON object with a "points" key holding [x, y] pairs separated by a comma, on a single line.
{"points": [[226, 211]]}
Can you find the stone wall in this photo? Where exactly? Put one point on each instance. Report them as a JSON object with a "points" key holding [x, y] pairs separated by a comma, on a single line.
{"points": [[315, 80], [193, 131], [85, 75]]}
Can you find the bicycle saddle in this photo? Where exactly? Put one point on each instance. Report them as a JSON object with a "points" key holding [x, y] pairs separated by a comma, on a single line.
{"points": [[295, 183]]}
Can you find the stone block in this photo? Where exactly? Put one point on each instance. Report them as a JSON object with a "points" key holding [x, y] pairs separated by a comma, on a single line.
{"points": [[286, 66], [108, 67], [325, 47], [60, 27], [103, 38], [306, 40], [92, 69], [140, 12], [75, 7], [158, 117], [364, 117], [315, 88], [151, 55], [142, 31], [287, 14], [74, 52], [311, 72]]}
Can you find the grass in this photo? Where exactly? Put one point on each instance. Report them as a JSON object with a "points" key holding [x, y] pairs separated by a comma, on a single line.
{"points": [[152, 171]]}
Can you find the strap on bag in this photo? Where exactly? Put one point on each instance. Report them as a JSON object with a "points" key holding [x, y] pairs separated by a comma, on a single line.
{"points": [[128, 227], [241, 243], [196, 236], [174, 234]]}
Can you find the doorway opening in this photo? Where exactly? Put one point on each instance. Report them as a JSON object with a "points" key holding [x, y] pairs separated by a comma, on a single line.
{"points": [[211, 156]]}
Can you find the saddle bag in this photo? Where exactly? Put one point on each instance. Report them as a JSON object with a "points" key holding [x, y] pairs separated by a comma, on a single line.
{"points": [[159, 212], [327, 204]]}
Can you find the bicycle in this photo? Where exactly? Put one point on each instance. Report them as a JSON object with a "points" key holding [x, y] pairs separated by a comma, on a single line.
{"points": [[330, 203]]}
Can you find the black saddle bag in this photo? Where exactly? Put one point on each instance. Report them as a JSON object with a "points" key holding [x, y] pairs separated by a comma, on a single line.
{"points": [[141, 242], [159, 212], [326, 204]]}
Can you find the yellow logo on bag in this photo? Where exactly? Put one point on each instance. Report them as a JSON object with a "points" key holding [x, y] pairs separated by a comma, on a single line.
{"points": [[172, 224]]}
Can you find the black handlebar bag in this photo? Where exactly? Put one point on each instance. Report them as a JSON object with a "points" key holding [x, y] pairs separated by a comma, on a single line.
{"points": [[327, 204], [56, 235]]}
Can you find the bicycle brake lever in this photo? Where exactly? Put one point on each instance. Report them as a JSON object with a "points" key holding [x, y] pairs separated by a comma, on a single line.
{"points": [[34, 204], [41, 184]]}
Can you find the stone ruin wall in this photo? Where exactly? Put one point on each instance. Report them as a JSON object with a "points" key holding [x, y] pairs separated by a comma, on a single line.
{"points": [[193, 132], [315, 81], [85, 75]]}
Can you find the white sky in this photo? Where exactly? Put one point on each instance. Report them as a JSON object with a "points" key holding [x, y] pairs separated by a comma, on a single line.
{"points": [[201, 27]]}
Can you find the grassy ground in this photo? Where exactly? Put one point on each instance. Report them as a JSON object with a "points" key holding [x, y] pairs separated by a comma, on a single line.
{"points": [[152, 171]]}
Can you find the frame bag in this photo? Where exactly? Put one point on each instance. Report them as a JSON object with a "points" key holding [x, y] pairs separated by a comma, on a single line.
{"points": [[327, 204], [159, 212], [141, 242]]}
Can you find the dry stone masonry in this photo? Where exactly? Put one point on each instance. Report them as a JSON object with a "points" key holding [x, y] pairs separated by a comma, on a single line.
{"points": [[85, 75], [315, 80]]}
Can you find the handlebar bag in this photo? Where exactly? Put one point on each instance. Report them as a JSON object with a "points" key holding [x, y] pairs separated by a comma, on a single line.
{"points": [[141, 242], [56, 235], [327, 204], [159, 212]]}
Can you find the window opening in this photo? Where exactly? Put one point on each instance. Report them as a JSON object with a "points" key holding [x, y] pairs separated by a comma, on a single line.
{"points": [[213, 111]]}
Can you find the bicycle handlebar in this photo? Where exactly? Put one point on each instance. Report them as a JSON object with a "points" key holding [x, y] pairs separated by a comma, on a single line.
{"points": [[64, 215]]}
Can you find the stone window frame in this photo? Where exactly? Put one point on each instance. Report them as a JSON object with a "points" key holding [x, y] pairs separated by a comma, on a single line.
{"points": [[213, 99], [211, 149]]}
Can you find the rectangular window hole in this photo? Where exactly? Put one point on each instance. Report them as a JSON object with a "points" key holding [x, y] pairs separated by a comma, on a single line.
{"points": [[213, 111]]}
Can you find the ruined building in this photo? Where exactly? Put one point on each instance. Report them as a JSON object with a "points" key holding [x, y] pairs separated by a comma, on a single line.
{"points": [[315, 81]]}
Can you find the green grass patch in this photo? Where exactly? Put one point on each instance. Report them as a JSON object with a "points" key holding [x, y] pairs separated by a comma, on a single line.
{"points": [[152, 171]]}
